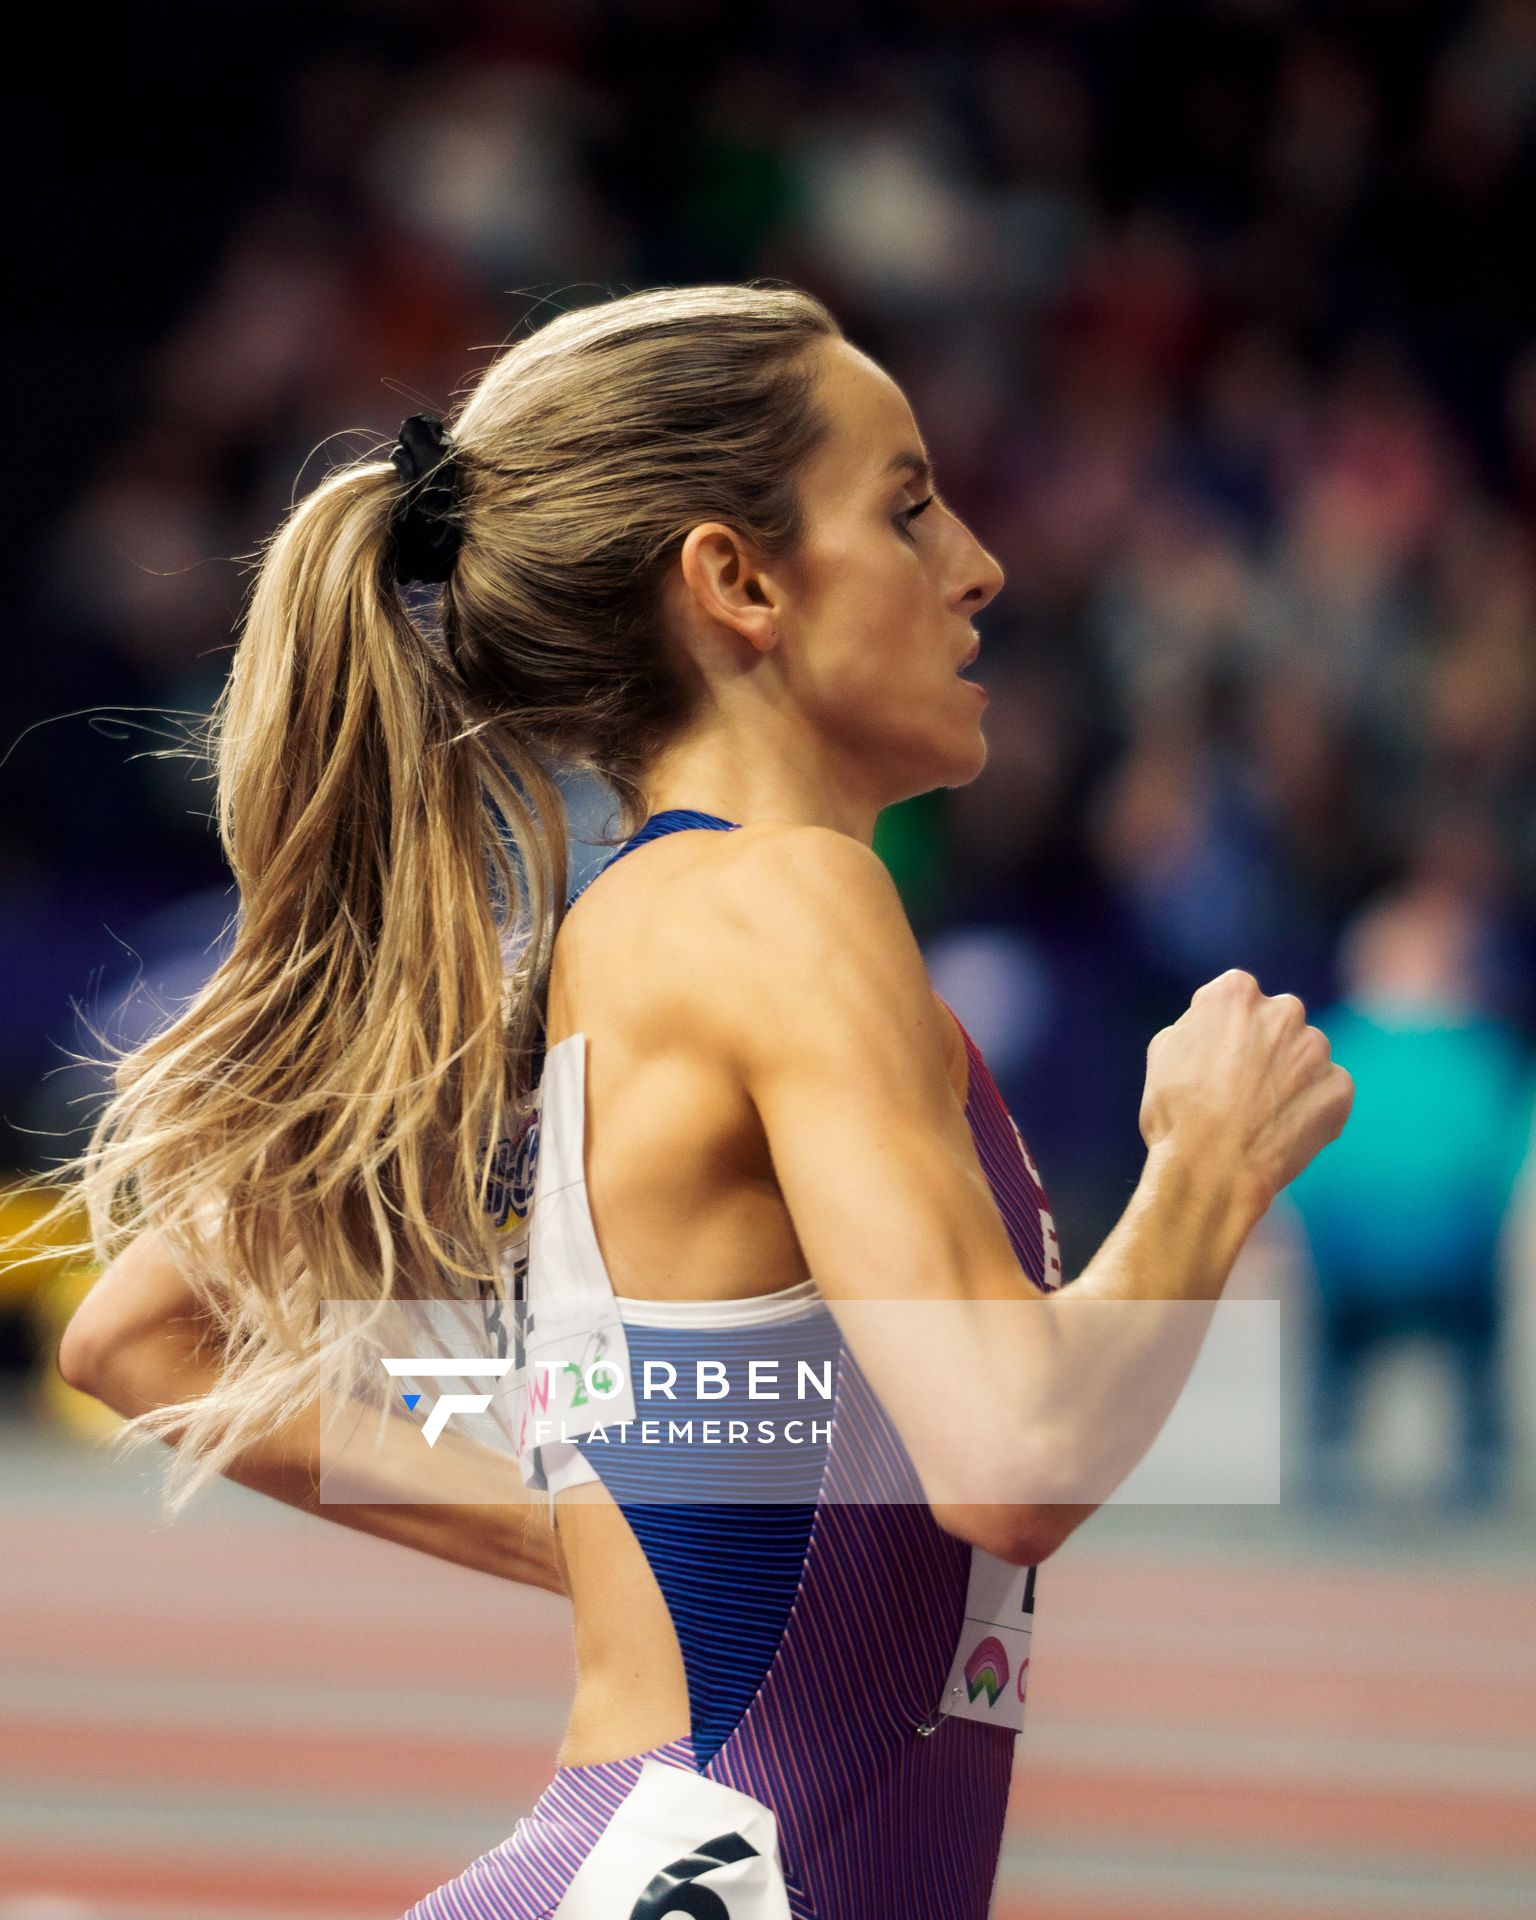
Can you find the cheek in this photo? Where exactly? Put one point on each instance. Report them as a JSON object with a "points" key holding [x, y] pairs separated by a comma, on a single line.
{"points": [[875, 581], [866, 591]]}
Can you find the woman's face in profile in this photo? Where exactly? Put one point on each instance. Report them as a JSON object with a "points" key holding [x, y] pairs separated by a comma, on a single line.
{"points": [[882, 591]]}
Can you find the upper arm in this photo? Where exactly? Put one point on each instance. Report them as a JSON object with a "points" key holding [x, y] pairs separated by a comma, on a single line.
{"points": [[811, 980], [817, 990]]}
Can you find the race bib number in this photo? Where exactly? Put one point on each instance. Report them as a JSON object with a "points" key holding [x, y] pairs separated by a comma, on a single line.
{"points": [[681, 1845]]}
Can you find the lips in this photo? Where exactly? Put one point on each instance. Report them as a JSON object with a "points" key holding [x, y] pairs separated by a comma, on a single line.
{"points": [[969, 658]]}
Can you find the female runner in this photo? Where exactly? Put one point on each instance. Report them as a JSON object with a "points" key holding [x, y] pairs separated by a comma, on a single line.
{"points": [[688, 539]]}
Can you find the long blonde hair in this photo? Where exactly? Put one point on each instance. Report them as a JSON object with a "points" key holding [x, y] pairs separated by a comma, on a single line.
{"points": [[318, 1124]]}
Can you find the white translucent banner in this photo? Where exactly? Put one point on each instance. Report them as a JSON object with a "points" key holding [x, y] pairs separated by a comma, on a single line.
{"points": [[1066, 1400]]}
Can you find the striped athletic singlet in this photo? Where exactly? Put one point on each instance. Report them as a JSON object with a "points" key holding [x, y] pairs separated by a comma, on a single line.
{"points": [[843, 1672]]}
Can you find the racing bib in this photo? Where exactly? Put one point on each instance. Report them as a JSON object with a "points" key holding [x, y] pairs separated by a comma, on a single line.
{"points": [[681, 1845], [989, 1673]]}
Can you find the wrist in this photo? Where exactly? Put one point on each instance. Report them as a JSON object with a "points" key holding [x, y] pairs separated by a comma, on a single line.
{"points": [[1213, 1190]]}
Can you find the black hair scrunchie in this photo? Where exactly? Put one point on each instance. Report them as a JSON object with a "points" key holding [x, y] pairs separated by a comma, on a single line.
{"points": [[425, 533]]}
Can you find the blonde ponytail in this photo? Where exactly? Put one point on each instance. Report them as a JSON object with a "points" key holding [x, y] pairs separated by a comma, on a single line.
{"points": [[320, 1123]]}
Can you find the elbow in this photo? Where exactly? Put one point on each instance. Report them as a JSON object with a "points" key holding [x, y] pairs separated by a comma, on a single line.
{"points": [[1022, 1513], [1021, 1535], [78, 1359], [1032, 1535]]}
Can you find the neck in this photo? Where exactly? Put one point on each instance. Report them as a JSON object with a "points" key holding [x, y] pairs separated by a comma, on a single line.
{"points": [[721, 777]]}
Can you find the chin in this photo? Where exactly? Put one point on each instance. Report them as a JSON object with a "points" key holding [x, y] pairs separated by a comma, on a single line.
{"points": [[967, 768], [953, 771], [925, 763]]}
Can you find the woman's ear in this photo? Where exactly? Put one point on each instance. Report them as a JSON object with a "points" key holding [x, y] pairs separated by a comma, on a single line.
{"points": [[725, 583]]}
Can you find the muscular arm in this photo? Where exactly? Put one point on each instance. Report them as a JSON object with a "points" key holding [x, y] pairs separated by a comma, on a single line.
{"points": [[137, 1341], [807, 975]]}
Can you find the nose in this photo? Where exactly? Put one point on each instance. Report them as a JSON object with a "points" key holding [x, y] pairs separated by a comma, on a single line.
{"points": [[980, 576]]}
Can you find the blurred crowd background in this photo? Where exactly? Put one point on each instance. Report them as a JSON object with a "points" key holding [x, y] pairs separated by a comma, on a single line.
{"points": [[1216, 318]]}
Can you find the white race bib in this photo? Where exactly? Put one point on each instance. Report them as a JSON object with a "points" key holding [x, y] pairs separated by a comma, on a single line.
{"points": [[989, 1674], [681, 1847]]}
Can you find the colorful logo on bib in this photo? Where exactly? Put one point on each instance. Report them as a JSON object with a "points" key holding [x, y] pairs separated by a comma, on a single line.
{"points": [[987, 1669]]}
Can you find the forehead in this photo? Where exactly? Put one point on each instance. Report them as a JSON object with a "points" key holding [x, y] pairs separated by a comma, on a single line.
{"points": [[870, 422]]}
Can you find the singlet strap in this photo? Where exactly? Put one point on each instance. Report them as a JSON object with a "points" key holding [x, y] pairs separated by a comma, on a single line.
{"points": [[669, 820]]}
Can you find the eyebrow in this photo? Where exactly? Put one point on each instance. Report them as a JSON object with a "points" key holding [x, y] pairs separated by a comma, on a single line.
{"points": [[914, 463]]}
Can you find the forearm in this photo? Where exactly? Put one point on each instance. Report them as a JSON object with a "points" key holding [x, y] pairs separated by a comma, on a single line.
{"points": [[1180, 1234], [481, 1528], [1106, 1358]]}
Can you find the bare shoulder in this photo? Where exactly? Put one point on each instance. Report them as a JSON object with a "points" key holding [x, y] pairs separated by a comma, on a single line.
{"points": [[697, 919], [801, 862], [777, 895], [770, 943], [790, 902], [778, 883], [732, 881], [786, 938]]}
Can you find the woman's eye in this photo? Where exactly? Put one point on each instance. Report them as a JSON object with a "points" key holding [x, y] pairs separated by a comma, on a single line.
{"points": [[906, 518]]}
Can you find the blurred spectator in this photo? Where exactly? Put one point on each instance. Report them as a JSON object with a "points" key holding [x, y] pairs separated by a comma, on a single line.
{"points": [[1403, 1212]]}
